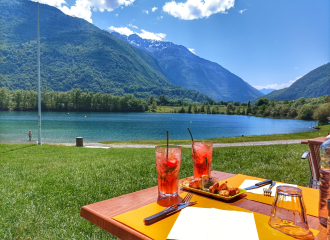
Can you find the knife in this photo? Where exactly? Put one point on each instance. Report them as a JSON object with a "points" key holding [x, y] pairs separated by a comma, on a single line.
{"points": [[260, 184], [165, 213]]}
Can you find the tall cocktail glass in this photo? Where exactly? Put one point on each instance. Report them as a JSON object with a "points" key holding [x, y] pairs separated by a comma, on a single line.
{"points": [[168, 167], [202, 158]]}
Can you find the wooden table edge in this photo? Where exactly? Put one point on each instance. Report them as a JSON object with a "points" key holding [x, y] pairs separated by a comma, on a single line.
{"points": [[110, 225]]}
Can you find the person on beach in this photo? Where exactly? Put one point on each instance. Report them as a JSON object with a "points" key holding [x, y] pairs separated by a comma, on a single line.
{"points": [[30, 135]]}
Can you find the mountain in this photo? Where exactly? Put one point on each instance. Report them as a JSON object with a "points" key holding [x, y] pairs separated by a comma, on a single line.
{"points": [[75, 54], [265, 91], [188, 70], [314, 84]]}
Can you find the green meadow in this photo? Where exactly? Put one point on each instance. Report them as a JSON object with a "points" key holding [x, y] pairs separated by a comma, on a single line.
{"points": [[44, 187]]}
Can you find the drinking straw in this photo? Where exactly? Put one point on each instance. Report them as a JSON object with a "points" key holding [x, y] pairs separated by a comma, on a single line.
{"points": [[191, 135], [207, 167], [167, 147]]}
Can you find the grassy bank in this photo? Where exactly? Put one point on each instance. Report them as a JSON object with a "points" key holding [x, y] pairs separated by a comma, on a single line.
{"points": [[171, 109], [323, 131], [44, 187]]}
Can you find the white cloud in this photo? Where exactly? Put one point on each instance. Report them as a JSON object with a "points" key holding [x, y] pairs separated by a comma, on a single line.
{"points": [[150, 35], [143, 34], [194, 9], [130, 25], [122, 30], [241, 11], [192, 50], [116, 14], [154, 9], [145, 11], [278, 86], [160, 17], [83, 8]]}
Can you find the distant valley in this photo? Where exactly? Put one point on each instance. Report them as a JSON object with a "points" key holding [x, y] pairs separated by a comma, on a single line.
{"points": [[316, 83], [265, 91], [187, 70]]}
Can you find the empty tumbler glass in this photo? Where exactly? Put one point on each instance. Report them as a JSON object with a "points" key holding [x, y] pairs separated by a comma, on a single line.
{"points": [[288, 213]]}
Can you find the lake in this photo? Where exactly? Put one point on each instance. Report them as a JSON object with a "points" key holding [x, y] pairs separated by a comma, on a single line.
{"points": [[63, 127]]}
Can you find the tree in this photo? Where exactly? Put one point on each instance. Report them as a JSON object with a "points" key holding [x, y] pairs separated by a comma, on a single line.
{"points": [[162, 99], [151, 99], [262, 101], [154, 106], [230, 108], [322, 113], [237, 103], [195, 109], [254, 108], [272, 103], [181, 110], [4, 97], [208, 110], [212, 102], [44, 98], [262, 108], [248, 110], [202, 108], [18, 97], [189, 109]]}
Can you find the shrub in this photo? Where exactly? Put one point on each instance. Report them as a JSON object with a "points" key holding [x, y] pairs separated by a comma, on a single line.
{"points": [[322, 113], [292, 113], [306, 112]]}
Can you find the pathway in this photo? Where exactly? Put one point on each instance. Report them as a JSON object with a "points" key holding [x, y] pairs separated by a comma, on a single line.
{"points": [[100, 145]]}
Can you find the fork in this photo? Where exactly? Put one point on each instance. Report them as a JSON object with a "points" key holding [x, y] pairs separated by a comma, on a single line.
{"points": [[186, 199], [268, 192], [170, 210]]}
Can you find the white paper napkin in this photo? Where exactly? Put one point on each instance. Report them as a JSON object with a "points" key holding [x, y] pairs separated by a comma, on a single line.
{"points": [[213, 224], [249, 182]]}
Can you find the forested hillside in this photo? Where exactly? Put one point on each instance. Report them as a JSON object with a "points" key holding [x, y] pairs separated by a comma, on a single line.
{"points": [[75, 54], [314, 84]]}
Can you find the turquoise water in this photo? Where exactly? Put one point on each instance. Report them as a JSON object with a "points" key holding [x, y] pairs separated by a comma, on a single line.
{"points": [[95, 127]]}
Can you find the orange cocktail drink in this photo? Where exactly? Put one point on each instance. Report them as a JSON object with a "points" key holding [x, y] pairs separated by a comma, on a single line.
{"points": [[202, 158], [168, 166]]}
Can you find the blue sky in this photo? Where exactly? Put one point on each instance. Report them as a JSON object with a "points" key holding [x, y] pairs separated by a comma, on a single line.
{"points": [[266, 43]]}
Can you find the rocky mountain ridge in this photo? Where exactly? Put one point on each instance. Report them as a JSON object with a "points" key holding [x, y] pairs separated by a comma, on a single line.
{"points": [[187, 70]]}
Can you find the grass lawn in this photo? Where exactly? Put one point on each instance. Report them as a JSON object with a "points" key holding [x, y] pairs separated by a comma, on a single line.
{"points": [[44, 187], [324, 130]]}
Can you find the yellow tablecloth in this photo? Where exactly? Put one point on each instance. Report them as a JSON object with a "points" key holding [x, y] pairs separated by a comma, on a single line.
{"points": [[310, 196], [161, 229]]}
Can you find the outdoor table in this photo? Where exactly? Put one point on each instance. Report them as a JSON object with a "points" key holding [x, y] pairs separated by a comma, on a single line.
{"points": [[317, 141], [101, 213]]}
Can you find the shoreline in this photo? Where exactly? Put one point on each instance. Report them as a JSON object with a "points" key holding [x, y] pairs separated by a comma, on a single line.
{"points": [[217, 142], [215, 145]]}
